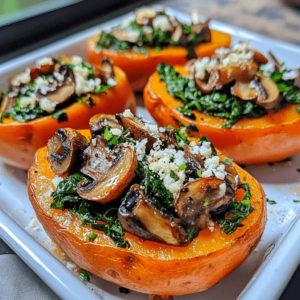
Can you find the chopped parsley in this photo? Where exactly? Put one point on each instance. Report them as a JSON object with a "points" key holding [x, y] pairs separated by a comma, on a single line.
{"points": [[60, 116], [199, 173], [157, 39], [191, 128], [89, 212], [228, 161], [84, 275], [92, 236], [113, 140], [231, 215], [182, 167], [296, 201], [206, 202], [218, 104], [272, 202], [174, 176]]}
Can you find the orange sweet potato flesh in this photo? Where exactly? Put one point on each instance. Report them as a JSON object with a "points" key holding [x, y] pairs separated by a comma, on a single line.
{"points": [[20, 141], [138, 67], [273, 137], [149, 267]]}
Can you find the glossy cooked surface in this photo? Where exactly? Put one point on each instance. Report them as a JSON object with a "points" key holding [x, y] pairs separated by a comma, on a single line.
{"points": [[138, 67], [146, 266], [248, 141], [19, 141]]}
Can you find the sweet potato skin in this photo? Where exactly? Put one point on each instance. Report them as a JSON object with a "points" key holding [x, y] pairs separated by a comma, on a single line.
{"points": [[20, 141], [148, 267], [249, 141], [138, 67]]}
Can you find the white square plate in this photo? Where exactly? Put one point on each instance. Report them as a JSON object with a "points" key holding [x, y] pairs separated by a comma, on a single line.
{"points": [[265, 272]]}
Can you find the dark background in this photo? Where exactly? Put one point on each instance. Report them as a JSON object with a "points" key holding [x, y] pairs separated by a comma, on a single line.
{"points": [[24, 36]]}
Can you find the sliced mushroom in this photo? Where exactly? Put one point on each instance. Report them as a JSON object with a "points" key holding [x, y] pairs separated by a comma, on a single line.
{"points": [[105, 71], [297, 79], [112, 172], [196, 199], [203, 85], [145, 15], [99, 122], [7, 103], [232, 178], [139, 132], [242, 89], [61, 91], [218, 78], [259, 58], [203, 30], [275, 61], [177, 33], [138, 216], [268, 93], [64, 150], [194, 163], [124, 35]]}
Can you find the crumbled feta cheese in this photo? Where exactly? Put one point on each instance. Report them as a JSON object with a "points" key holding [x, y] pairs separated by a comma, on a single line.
{"points": [[222, 51], [292, 74], [162, 23], [237, 58], [145, 12], [152, 129], [242, 46], [213, 167], [140, 149], [56, 180], [25, 101], [133, 35], [111, 81], [58, 76], [41, 82], [127, 21], [47, 105], [128, 114], [211, 225], [268, 68], [34, 223], [77, 60], [148, 30], [23, 77], [222, 191], [195, 16], [200, 67], [116, 131], [44, 61]]}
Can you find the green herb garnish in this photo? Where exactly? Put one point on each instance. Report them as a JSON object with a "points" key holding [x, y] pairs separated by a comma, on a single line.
{"points": [[174, 176], [219, 104], [84, 275], [199, 173], [296, 201], [60, 116], [92, 236], [228, 161], [206, 202], [193, 232], [272, 202], [192, 128], [182, 167]]}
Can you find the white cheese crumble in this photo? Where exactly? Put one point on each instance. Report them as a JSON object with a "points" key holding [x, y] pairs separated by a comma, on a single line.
{"points": [[34, 223], [22, 78], [195, 16], [111, 81], [56, 180], [25, 101], [44, 61], [160, 162], [237, 58], [152, 129], [47, 105], [222, 51], [200, 67], [162, 23], [58, 76], [140, 149], [268, 68], [214, 168], [242, 46], [145, 12], [292, 74], [133, 35], [116, 131], [128, 114]]}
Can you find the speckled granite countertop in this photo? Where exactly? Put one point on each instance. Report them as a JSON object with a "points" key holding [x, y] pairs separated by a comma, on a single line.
{"points": [[268, 17]]}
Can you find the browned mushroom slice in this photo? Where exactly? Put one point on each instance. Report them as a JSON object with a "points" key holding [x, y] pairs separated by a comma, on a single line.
{"points": [[112, 172], [194, 163], [243, 89], [7, 103], [177, 33], [232, 178], [218, 78], [297, 79], [105, 70], [124, 35], [196, 199], [139, 132], [203, 30], [203, 86], [99, 122], [275, 61], [145, 15], [138, 216], [64, 150], [268, 93], [259, 58], [61, 91]]}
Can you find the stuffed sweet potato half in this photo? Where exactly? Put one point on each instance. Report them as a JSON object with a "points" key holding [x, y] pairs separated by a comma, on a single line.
{"points": [[146, 207], [54, 94], [244, 103], [151, 37]]}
